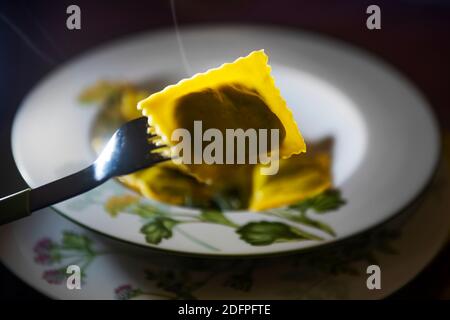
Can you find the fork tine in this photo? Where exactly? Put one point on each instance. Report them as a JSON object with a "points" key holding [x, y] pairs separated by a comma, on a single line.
{"points": [[158, 157], [157, 149], [154, 139]]}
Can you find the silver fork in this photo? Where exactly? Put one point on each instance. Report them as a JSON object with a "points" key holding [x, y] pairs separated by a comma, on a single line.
{"points": [[129, 149]]}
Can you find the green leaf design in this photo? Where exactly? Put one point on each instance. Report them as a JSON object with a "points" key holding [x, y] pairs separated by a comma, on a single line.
{"points": [[328, 200], [242, 281], [147, 211], [176, 282], [302, 218], [158, 228], [75, 241], [217, 217], [263, 233]]}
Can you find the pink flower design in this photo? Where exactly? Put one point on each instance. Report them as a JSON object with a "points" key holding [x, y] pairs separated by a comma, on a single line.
{"points": [[73, 248], [54, 276], [44, 250], [126, 292], [43, 259], [43, 246]]}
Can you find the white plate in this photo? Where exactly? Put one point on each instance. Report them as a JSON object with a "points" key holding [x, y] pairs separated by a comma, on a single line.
{"points": [[113, 269], [386, 140]]}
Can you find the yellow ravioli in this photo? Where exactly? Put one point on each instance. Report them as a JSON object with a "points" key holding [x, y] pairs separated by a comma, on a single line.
{"points": [[166, 182], [299, 177], [236, 95]]}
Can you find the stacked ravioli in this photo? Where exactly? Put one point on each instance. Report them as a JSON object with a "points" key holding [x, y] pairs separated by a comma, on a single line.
{"points": [[237, 95]]}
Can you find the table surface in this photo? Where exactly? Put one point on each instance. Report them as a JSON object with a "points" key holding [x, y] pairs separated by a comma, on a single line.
{"points": [[34, 40]]}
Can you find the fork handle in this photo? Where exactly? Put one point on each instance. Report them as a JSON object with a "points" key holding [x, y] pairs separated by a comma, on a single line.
{"points": [[23, 203], [15, 206], [64, 188]]}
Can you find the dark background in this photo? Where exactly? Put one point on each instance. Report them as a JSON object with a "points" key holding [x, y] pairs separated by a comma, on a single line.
{"points": [[415, 37]]}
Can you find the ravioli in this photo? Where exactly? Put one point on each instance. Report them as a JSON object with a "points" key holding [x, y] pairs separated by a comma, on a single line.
{"points": [[236, 95], [166, 182], [299, 177]]}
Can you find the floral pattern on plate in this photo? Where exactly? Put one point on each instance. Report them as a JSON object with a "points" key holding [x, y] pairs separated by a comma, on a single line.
{"points": [[114, 270]]}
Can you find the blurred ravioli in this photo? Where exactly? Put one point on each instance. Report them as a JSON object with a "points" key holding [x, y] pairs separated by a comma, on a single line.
{"points": [[298, 178]]}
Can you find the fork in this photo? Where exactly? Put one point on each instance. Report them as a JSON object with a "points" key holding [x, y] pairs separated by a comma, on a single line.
{"points": [[130, 149]]}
